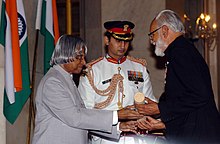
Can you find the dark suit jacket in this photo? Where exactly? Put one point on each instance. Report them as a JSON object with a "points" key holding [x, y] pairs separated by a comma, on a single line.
{"points": [[61, 116], [187, 106]]}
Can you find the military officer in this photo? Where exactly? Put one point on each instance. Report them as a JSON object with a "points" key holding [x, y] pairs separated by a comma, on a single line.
{"points": [[112, 81]]}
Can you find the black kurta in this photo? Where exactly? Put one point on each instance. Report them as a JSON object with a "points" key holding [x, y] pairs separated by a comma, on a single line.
{"points": [[187, 106]]}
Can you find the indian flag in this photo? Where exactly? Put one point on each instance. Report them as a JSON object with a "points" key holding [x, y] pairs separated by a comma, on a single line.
{"points": [[47, 23], [13, 37]]}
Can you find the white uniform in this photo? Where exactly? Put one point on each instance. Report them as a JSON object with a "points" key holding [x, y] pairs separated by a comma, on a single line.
{"points": [[136, 79]]}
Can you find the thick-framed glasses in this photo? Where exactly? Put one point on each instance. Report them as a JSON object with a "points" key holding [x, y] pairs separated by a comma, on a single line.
{"points": [[152, 33]]}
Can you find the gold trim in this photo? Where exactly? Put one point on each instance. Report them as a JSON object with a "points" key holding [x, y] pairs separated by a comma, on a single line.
{"points": [[138, 60], [126, 27], [121, 38], [119, 32], [110, 91]]}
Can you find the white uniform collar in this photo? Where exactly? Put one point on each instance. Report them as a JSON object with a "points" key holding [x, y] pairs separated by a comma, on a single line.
{"points": [[113, 60]]}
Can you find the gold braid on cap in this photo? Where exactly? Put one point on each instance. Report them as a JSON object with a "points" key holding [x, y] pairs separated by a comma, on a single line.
{"points": [[114, 34], [122, 38], [117, 79]]}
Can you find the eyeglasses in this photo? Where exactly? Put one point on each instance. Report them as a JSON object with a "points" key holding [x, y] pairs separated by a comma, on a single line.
{"points": [[78, 57], [151, 33]]}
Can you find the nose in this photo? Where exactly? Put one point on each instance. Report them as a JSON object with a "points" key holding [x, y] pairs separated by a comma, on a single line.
{"points": [[83, 61], [122, 44], [152, 42]]}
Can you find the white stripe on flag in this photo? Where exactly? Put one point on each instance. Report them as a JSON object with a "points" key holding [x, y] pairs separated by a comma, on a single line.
{"points": [[49, 17], [21, 27], [9, 76], [38, 17]]}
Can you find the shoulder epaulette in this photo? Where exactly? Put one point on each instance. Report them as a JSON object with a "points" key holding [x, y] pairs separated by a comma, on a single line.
{"points": [[95, 61], [89, 65], [138, 60]]}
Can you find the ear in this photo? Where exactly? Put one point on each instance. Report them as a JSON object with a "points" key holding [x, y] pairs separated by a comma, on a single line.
{"points": [[106, 40], [165, 31]]}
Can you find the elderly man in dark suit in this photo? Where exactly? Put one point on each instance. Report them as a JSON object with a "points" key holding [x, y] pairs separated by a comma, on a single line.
{"points": [[187, 107]]}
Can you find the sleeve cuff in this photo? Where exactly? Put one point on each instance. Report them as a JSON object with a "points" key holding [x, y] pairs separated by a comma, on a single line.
{"points": [[115, 117], [118, 128]]}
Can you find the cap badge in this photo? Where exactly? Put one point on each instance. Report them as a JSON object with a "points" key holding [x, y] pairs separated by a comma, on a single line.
{"points": [[125, 27]]}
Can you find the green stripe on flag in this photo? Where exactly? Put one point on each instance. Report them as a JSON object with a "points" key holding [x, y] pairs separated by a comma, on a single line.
{"points": [[48, 50], [2, 25]]}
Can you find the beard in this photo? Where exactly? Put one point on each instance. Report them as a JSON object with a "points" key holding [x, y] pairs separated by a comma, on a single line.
{"points": [[160, 47]]}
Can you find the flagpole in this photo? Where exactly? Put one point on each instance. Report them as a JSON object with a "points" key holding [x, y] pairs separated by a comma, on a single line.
{"points": [[31, 117], [68, 17]]}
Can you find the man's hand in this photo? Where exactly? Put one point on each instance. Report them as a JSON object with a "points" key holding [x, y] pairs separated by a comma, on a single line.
{"points": [[150, 123], [150, 108], [129, 126], [129, 112]]}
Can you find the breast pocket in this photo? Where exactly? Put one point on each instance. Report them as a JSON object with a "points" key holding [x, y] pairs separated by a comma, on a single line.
{"points": [[130, 87], [136, 85]]}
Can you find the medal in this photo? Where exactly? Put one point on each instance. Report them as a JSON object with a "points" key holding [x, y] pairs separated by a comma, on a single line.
{"points": [[139, 98]]}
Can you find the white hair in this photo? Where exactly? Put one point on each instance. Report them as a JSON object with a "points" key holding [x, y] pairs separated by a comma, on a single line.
{"points": [[67, 48], [170, 19]]}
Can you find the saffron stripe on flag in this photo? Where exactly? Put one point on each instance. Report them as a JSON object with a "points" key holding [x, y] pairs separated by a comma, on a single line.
{"points": [[11, 9]]}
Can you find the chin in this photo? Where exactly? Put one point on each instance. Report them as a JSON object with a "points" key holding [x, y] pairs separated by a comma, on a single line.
{"points": [[121, 55]]}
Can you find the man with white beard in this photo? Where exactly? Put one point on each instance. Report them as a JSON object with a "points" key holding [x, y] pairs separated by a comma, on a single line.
{"points": [[158, 47], [187, 107]]}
